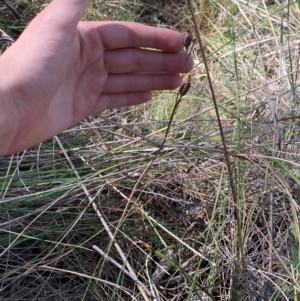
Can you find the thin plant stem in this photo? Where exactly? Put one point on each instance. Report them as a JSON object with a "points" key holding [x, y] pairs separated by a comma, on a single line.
{"points": [[16, 14], [227, 157]]}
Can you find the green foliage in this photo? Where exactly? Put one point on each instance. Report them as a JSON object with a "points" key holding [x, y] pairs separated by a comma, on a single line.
{"points": [[183, 204]]}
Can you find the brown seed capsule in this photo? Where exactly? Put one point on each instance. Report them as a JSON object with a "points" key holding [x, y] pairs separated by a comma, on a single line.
{"points": [[185, 87], [187, 39]]}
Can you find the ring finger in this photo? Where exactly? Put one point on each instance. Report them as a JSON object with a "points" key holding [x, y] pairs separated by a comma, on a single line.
{"points": [[132, 60]]}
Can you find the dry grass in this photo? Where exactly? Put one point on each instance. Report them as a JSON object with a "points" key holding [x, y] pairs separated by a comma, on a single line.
{"points": [[88, 187]]}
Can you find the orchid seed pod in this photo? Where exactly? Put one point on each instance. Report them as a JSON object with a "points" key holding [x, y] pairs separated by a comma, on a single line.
{"points": [[185, 87], [188, 38]]}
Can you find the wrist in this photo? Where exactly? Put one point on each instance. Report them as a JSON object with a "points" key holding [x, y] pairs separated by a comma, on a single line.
{"points": [[8, 124]]}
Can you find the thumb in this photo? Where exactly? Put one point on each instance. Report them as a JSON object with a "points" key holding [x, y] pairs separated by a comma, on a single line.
{"points": [[62, 15]]}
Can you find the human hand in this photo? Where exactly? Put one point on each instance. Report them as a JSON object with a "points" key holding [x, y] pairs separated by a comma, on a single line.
{"points": [[62, 70]]}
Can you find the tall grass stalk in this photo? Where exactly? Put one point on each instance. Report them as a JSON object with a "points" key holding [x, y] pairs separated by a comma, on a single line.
{"points": [[218, 205]]}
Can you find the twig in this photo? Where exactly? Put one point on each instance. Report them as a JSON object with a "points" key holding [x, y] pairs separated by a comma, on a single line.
{"points": [[122, 268]]}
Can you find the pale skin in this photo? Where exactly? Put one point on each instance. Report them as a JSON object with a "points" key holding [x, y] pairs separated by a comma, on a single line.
{"points": [[62, 70]]}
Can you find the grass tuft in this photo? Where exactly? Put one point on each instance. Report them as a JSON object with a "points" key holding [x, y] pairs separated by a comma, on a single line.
{"points": [[177, 231]]}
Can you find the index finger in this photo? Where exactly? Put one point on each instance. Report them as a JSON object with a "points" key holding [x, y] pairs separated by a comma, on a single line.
{"points": [[132, 35]]}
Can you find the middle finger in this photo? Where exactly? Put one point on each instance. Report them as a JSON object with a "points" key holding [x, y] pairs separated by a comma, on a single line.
{"points": [[133, 60]]}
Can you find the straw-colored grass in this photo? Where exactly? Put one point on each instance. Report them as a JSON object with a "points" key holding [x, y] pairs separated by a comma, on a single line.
{"points": [[169, 219]]}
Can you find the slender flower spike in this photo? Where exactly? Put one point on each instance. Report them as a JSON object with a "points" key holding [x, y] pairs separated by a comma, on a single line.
{"points": [[185, 87], [187, 39]]}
